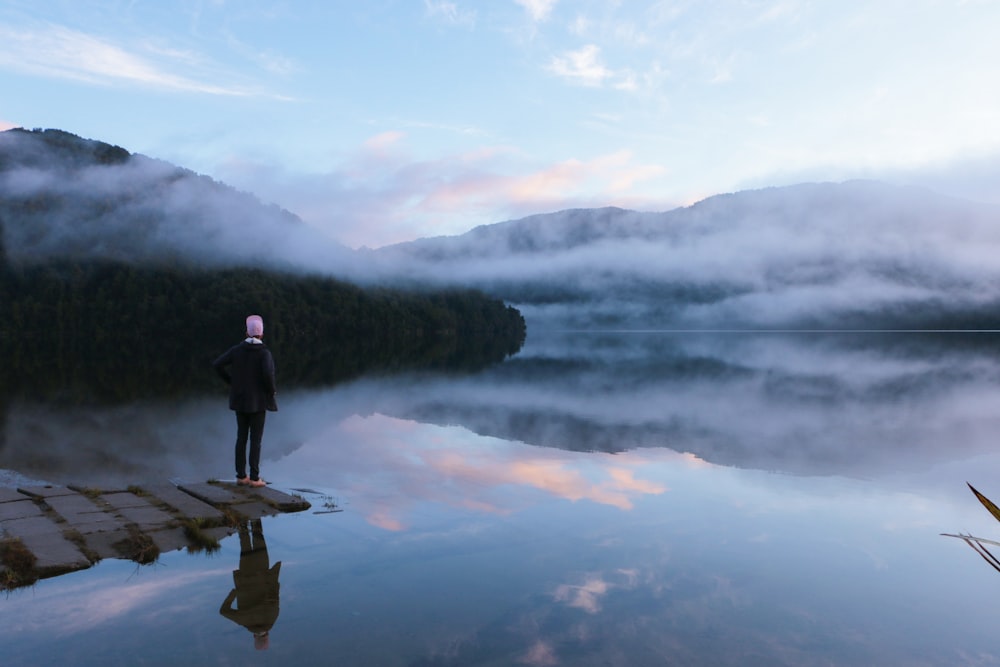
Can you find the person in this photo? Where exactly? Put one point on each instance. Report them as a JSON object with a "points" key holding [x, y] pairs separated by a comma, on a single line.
{"points": [[255, 586], [252, 392]]}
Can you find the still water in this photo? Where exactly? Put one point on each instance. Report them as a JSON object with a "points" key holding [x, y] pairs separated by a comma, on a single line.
{"points": [[598, 499]]}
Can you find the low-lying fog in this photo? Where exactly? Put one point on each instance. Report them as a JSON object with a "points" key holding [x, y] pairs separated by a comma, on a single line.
{"points": [[818, 404], [852, 255]]}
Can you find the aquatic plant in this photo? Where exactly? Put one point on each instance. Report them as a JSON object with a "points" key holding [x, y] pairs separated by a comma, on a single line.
{"points": [[978, 544]]}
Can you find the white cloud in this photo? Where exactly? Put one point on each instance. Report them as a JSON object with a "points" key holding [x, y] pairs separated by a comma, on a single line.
{"points": [[95, 604], [268, 59], [629, 33], [580, 26], [583, 66], [450, 12], [596, 586], [59, 52], [538, 10], [629, 82], [383, 195]]}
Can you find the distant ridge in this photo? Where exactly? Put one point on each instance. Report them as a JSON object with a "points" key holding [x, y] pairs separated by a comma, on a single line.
{"points": [[66, 197], [854, 255], [859, 255]]}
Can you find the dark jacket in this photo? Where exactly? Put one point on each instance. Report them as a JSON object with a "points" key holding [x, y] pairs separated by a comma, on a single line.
{"points": [[251, 384]]}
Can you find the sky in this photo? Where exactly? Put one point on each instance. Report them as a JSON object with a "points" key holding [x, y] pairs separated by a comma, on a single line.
{"points": [[388, 120]]}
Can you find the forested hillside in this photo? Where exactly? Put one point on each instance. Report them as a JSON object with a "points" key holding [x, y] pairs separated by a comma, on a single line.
{"points": [[106, 330], [123, 276], [65, 197], [819, 256]]}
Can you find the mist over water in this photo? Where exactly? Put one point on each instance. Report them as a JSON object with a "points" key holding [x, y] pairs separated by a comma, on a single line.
{"points": [[830, 256], [596, 499], [808, 403]]}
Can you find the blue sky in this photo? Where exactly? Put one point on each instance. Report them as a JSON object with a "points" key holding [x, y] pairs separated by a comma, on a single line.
{"points": [[386, 120]]}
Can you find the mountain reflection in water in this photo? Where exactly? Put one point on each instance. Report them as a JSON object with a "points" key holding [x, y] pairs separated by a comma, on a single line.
{"points": [[597, 499], [822, 403]]}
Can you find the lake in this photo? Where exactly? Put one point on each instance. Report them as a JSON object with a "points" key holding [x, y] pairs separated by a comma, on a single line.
{"points": [[635, 498]]}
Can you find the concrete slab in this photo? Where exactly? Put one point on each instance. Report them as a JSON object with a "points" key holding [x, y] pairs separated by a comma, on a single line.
{"points": [[19, 509], [53, 551], [102, 544], [98, 523], [254, 509], [82, 515], [279, 499], [124, 544], [73, 507], [184, 503], [69, 528], [169, 539], [212, 494], [147, 518], [32, 525], [47, 491], [8, 495], [123, 499], [283, 501]]}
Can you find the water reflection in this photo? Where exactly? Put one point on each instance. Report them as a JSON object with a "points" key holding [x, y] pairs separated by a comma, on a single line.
{"points": [[255, 586], [810, 404], [397, 465], [855, 404], [461, 548]]}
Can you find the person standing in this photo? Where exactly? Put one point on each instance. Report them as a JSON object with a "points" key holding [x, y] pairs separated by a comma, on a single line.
{"points": [[252, 393]]}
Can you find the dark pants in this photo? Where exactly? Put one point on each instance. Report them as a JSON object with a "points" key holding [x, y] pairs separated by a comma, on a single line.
{"points": [[249, 424]]}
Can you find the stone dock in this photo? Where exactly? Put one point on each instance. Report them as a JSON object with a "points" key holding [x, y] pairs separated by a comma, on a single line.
{"points": [[50, 530]]}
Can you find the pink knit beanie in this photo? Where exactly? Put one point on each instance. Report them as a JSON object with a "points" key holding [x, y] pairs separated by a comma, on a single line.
{"points": [[255, 325]]}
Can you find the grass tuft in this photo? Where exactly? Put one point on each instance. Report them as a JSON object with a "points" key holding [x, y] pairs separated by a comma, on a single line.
{"points": [[76, 537], [138, 547], [200, 541], [19, 564]]}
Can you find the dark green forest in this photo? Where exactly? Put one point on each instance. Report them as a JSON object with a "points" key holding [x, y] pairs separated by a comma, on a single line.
{"points": [[145, 320], [103, 332]]}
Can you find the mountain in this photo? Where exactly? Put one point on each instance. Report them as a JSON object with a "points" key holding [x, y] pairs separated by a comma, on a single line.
{"points": [[122, 276], [859, 254], [853, 255], [64, 197]]}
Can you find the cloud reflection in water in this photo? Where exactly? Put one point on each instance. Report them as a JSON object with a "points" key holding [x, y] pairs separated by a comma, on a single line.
{"points": [[820, 404], [393, 464]]}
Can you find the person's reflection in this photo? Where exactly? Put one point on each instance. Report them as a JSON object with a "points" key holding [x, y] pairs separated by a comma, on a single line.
{"points": [[256, 586]]}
